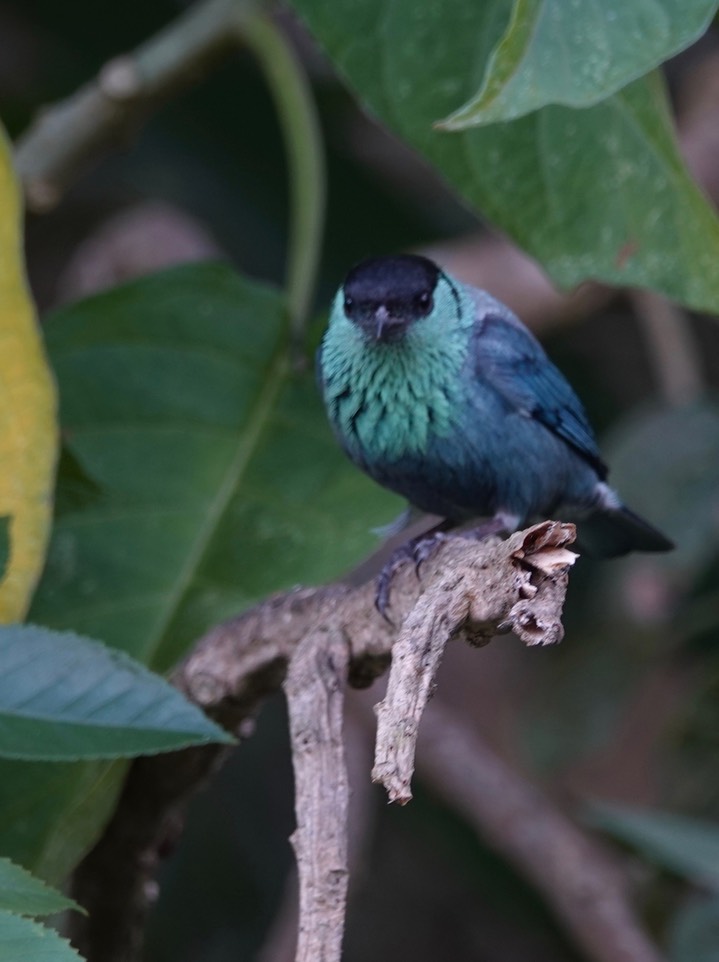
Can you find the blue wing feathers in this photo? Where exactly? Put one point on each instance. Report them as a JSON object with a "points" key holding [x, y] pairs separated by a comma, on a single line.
{"points": [[511, 361]]}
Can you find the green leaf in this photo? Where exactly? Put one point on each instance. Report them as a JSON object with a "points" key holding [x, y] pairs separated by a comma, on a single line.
{"points": [[4, 544], [64, 698], [52, 813], [199, 474], [23, 894], [28, 423], [27, 940], [211, 476], [578, 53], [687, 846], [600, 192], [694, 935]]}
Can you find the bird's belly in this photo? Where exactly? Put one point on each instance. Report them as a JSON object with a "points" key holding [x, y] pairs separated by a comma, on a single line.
{"points": [[514, 465], [438, 487], [448, 477]]}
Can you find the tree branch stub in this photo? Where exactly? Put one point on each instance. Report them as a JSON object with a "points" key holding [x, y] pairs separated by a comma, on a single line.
{"points": [[518, 584]]}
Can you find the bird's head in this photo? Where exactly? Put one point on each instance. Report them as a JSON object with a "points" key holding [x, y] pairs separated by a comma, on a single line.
{"points": [[386, 296]]}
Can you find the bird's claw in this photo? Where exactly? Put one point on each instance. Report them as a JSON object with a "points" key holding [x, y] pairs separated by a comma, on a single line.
{"points": [[417, 550], [500, 524], [420, 549]]}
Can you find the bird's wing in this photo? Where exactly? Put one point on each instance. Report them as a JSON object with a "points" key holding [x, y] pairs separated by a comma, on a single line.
{"points": [[514, 364]]}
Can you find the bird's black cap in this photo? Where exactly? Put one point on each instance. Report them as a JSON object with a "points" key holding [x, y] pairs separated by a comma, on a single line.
{"points": [[398, 277], [383, 295]]}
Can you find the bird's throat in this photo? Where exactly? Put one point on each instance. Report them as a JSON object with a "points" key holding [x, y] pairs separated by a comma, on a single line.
{"points": [[389, 401]]}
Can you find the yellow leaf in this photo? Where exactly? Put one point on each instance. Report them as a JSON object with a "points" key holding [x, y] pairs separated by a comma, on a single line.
{"points": [[28, 428]]}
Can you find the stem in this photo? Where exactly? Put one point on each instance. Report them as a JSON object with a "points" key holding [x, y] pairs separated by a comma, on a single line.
{"points": [[180, 49], [68, 137], [303, 141]]}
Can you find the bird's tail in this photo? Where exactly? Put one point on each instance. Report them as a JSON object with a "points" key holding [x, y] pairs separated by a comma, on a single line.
{"points": [[611, 532]]}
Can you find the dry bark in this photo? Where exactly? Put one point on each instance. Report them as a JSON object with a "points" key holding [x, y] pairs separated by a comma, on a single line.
{"points": [[315, 641]]}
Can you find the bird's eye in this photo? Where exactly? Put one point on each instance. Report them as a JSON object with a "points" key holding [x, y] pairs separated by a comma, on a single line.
{"points": [[349, 305], [424, 302]]}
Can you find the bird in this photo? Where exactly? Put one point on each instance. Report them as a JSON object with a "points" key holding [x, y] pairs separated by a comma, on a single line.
{"points": [[439, 393]]}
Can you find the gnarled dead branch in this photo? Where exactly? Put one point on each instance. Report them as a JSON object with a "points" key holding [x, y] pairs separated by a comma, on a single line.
{"points": [[315, 640]]}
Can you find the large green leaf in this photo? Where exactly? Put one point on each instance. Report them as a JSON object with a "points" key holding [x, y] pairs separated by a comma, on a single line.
{"points": [[23, 894], [24, 939], [687, 846], [600, 192], [199, 474], [64, 697], [51, 813], [214, 476], [577, 53]]}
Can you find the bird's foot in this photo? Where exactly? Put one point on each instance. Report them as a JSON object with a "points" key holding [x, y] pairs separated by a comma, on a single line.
{"points": [[499, 524], [420, 549], [417, 550]]}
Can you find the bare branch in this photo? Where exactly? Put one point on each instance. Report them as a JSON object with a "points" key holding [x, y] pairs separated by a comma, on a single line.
{"points": [[494, 584], [531, 592], [316, 639], [281, 942], [511, 815], [67, 137], [314, 687]]}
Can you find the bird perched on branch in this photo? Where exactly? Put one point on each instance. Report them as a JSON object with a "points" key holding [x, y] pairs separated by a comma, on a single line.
{"points": [[440, 393]]}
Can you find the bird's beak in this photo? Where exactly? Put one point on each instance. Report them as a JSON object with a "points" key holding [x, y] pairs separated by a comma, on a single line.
{"points": [[387, 327], [381, 316]]}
